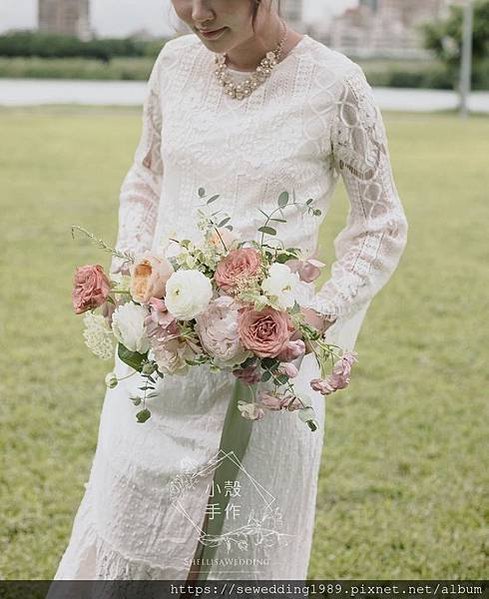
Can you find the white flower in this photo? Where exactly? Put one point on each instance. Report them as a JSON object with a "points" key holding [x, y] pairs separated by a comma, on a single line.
{"points": [[128, 327], [98, 336], [188, 293], [281, 285], [250, 411]]}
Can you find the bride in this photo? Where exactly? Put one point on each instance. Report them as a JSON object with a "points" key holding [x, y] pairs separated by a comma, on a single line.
{"points": [[214, 118]]}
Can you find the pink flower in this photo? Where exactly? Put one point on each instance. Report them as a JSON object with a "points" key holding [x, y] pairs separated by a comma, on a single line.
{"points": [[149, 276], [238, 265], [339, 378], [217, 329], [279, 402], [288, 369], [308, 270], [160, 325], [171, 355], [222, 237], [91, 288], [324, 386], [293, 350], [266, 332], [249, 375]]}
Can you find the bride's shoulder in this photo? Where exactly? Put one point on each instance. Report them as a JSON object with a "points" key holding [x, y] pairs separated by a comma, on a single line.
{"points": [[332, 63], [175, 48]]}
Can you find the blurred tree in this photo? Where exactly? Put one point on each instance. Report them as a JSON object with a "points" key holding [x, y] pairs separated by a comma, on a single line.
{"points": [[444, 38]]}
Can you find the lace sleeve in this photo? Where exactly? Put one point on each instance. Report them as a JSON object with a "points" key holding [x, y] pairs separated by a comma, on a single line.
{"points": [[140, 190], [369, 248]]}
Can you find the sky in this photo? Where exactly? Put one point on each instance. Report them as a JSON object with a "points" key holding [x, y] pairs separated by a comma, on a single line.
{"points": [[122, 17]]}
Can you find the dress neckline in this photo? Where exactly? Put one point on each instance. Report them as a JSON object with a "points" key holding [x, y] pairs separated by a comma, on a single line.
{"points": [[291, 53]]}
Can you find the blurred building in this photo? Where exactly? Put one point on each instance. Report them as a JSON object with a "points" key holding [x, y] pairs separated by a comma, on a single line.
{"points": [[292, 11], [383, 28], [69, 17]]}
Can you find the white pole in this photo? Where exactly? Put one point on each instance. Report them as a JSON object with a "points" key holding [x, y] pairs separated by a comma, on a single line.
{"points": [[466, 62]]}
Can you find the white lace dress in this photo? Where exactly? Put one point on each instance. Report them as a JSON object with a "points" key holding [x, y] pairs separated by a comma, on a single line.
{"points": [[314, 119]]}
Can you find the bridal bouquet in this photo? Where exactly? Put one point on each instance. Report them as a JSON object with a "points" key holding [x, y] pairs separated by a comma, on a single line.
{"points": [[229, 303]]}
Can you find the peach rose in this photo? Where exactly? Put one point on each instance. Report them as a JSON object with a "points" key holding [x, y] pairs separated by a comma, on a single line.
{"points": [[266, 332], [149, 276], [91, 288], [238, 265]]}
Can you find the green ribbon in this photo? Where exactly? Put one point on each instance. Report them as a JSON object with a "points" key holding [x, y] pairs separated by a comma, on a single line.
{"points": [[235, 437]]}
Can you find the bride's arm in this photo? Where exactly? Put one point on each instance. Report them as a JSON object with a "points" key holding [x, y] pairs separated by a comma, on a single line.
{"points": [[140, 190], [369, 248]]}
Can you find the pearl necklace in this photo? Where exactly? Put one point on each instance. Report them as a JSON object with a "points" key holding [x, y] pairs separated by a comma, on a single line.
{"points": [[261, 73]]}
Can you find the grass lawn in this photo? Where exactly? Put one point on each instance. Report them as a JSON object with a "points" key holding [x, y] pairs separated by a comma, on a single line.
{"points": [[404, 487]]}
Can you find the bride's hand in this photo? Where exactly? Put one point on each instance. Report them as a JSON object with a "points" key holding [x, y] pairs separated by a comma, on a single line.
{"points": [[316, 320]]}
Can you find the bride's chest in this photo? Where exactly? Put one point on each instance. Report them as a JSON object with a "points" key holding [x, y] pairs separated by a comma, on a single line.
{"points": [[203, 128]]}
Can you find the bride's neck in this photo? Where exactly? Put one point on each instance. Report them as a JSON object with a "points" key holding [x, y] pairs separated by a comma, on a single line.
{"points": [[247, 56]]}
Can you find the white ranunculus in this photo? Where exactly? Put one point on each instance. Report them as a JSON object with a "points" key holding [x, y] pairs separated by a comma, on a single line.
{"points": [[281, 284], [188, 293], [128, 327]]}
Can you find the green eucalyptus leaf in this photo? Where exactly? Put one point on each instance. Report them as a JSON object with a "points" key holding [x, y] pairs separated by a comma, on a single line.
{"points": [[268, 230], [143, 415], [201, 192], [213, 199], [283, 199], [266, 376], [224, 222]]}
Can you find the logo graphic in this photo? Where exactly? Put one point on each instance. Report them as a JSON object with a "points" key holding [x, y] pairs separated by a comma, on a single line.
{"points": [[258, 522]]}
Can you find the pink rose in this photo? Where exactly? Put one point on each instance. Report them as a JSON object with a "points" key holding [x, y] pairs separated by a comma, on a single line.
{"points": [[238, 265], [308, 270], [91, 288], [266, 332], [250, 375], [293, 350], [149, 276]]}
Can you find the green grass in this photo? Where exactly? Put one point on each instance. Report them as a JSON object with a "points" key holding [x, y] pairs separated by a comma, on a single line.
{"points": [[76, 68], [404, 487]]}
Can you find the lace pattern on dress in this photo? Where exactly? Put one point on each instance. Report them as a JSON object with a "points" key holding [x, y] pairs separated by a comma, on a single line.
{"points": [[141, 188], [369, 247]]}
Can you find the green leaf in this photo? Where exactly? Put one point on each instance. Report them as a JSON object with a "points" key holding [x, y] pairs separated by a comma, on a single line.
{"points": [[269, 362], [282, 378], [283, 199], [229, 227], [266, 376], [309, 201], [278, 220], [317, 212], [213, 199], [224, 222], [131, 358], [201, 192], [267, 230], [143, 415], [136, 400]]}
